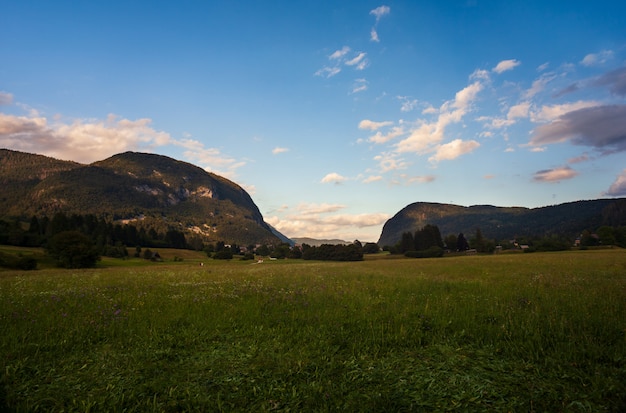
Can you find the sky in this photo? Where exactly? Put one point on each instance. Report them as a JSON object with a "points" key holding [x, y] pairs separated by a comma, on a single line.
{"points": [[333, 115]]}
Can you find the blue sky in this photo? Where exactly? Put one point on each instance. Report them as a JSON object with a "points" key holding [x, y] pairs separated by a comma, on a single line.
{"points": [[333, 115]]}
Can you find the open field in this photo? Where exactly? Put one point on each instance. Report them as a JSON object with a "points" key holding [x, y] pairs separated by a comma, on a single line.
{"points": [[519, 332]]}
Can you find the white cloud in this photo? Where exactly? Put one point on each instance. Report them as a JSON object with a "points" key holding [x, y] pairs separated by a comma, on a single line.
{"points": [[304, 209], [555, 175], [338, 54], [407, 104], [618, 188], [210, 159], [372, 178], [382, 138], [92, 140], [380, 11], [374, 35], [594, 59], [505, 65], [427, 135], [333, 177], [357, 59], [322, 221], [81, 140], [278, 150], [360, 85], [328, 71], [549, 113], [6, 98], [538, 85], [372, 125], [390, 162], [521, 110], [543, 67], [453, 150]]}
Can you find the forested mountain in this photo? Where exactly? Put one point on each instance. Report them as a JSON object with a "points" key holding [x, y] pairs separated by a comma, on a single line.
{"points": [[502, 223], [147, 190]]}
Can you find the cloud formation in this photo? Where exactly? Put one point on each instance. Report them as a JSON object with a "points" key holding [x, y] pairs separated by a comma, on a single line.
{"points": [[555, 175], [5, 98], [87, 141], [427, 136], [278, 150], [378, 12], [618, 188], [341, 57], [600, 127], [372, 125], [506, 65], [593, 59], [323, 221], [333, 178], [615, 80], [81, 140], [453, 150]]}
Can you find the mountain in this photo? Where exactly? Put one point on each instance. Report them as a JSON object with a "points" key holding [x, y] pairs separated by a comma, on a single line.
{"points": [[150, 190], [317, 242], [505, 222]]}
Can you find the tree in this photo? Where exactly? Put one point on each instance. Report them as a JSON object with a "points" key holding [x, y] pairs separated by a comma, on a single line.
{"points": [[479, 241], [461, 243], [72, 249], [450, 242], [407, 243], [606, 235], [370, 248]]}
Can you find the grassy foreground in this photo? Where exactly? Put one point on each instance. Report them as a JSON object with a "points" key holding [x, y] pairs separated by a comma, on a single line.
{"points": [[527, 332]]}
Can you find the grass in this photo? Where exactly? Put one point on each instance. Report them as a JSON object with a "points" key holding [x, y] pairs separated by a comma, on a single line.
{"points": [[527, 332]]}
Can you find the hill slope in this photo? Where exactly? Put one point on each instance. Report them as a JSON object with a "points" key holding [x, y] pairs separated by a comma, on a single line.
{"points": [[505, 222], [140, 187]]}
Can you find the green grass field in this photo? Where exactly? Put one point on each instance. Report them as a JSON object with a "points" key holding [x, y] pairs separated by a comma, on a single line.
{"points": [[518, 332]]}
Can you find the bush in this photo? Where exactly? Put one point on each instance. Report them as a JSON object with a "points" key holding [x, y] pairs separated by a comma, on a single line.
{"points": [[72, 249], [17, 263], [224, 254], [432, 252]]}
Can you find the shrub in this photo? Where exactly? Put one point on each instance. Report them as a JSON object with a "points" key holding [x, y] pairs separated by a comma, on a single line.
{"points": [[225, 254], [432, 252], [72, 249]]}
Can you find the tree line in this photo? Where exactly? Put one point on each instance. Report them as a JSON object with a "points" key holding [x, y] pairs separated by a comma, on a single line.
{"points": [[427, 242]]}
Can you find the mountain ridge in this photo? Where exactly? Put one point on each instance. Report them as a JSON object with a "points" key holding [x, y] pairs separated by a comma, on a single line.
{"points": [[495, 222], [134, 187]]}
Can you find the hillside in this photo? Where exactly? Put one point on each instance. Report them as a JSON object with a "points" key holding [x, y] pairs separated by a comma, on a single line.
{"points": [[317, 242], [150, 190], [505, 222]]}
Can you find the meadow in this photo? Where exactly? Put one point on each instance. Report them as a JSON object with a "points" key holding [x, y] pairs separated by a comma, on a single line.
{"points": [[510, 332]]}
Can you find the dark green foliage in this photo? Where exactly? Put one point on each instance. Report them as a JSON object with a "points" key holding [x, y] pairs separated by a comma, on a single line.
{"points": [[263, 251], [328, 252], [426, 238], [224, 254], [281, 251], [370, 248], [248, 256], [17, 262], [461, 243], [506, 223], [72, 249], [432, 252]]}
